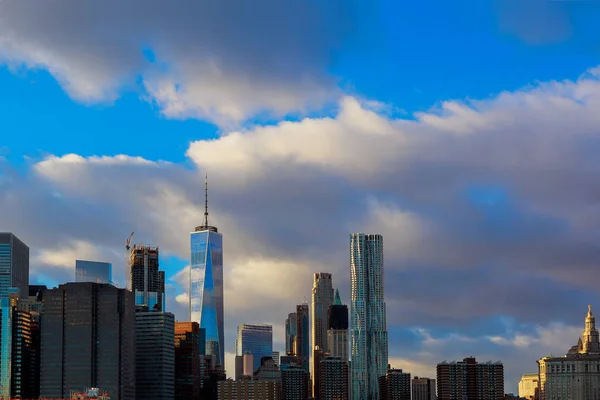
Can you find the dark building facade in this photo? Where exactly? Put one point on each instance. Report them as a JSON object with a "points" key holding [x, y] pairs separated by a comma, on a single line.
{"points": [[147, 282], [303, 336], [295, 383], [33, 306], [333, 380], [23, 379], [211, 374], [14, 264], [155, 355], [189, 344], [469, 379], [88, 340], [394, 385]]}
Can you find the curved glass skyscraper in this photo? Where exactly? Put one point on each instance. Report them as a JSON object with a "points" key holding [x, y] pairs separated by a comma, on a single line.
{"points": [[206, 285], [369, 341]]}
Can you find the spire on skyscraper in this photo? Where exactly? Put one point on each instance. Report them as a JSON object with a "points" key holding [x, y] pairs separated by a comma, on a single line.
{"points": [[337, 301], [206, 200]]}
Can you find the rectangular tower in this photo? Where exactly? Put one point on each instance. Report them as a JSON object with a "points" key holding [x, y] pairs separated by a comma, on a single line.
{"points": [[206, 284], [147, 281], [93, 271], [322, 298], [155, 355], [187, 360], [470, 379], [423, 389], [88, 340], [255, 339], [369, 342], [291, 331], [337, 328], [333, 379], [394, 385], [302, 337]]}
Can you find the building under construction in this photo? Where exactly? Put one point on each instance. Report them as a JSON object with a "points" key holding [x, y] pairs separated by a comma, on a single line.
{"points": [[147, 282]]}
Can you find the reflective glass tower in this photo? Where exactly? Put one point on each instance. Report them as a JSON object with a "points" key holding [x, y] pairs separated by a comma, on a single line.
{"points": [[206, 284], [93, 271], [369, 342], [256, 339]]}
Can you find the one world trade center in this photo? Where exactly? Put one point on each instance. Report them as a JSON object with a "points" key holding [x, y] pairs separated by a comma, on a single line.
{"points": [[206, 284]]}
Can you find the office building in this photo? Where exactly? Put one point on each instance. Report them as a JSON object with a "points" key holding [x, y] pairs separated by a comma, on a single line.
{"points": [[93, 271], [188, 339], [155, 355], [24, 354], [369, 341], [268, 370], [276, 358], [337, 329], [333, 379], [249, 390], [255, 339], [14, 282], [423, 389], [302, 336], [322, 299], [576, 375], [394, 385], [88, 340], [291, 326], [33, 306], [147, 281], [528, 386], [468, 378], [295, 383], [206, 284]]}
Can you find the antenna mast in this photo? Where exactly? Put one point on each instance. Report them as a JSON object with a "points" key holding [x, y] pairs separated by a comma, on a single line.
{"points": [[206, 200]]}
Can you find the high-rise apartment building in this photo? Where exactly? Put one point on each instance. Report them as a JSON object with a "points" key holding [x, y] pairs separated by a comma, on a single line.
{"points": [[249, 390], [369, 341], [147, 281], [302, 336], [93, 271], [14, 282], [256, 339], [188, 337], [423, 389], [469, 379], [333, 379], [155, 355], [88, 340], [206, 284], [23, 379], [291, 331], [322, 299], [337, 329], [576, 375], [394, 385], [295, 383]]}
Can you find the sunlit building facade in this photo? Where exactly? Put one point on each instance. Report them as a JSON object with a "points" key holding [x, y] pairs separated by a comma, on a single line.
{"points": [[206, 286], [369, 340]]}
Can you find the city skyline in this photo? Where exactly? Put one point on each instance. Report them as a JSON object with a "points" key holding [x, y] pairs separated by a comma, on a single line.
{"points": [[463, 132]]}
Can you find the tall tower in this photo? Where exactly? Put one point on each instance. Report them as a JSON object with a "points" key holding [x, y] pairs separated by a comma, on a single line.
{"points": [[206, 283], [589, 337], [369, 342], [291, 332], [322, 298], [337, 329], [302, 336], [147, 281]]}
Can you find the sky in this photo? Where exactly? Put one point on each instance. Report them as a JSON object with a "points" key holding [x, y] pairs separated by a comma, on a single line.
{"points": [[465, 132]]}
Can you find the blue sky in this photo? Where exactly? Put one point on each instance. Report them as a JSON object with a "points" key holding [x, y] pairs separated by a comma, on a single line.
{"points": [[463, 131]]}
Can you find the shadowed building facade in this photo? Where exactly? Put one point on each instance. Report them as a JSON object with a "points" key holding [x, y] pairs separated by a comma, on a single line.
{"points": [[88, 340], [147, 281], [189, 346], [469, 379], [322, 299], [206, 284]]}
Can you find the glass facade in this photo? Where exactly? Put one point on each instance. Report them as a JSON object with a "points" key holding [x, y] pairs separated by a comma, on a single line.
{"points": [[206, 288], [368, 336], [256, 340], [93, 271]]}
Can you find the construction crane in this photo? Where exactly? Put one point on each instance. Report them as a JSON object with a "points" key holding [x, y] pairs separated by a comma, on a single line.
{"points": [[127, 272]]}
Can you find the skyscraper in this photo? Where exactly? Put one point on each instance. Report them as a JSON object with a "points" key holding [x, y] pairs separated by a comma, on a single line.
{"points": [[333, 379], [88, 340], [154, 355], [206, 284], [93, 271], [394, 385], [23, 379], [369, 342], [337, 328], [322, 298], [295, 383], [14, 282], [147, 281], [302, 336], [187, 360], [256, 339], [291, 331]]}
